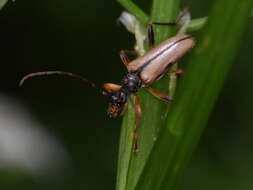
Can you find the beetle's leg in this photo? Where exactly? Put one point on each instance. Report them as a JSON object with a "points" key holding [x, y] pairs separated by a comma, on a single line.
{"points": [[150, 27], [178, 71], [124, 57], [130, 52], [123, 109], [159, 95], [137, 121], [111, 87], [151, 39]]}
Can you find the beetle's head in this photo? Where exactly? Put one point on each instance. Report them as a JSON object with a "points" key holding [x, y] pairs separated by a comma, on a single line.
{"points": [[117, 101]]}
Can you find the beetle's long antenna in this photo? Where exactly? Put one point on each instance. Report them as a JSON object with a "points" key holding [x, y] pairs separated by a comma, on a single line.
{"points": [[103, 92]]}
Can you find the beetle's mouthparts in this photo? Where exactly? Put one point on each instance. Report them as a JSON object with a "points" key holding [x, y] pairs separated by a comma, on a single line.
{"points": [[112, 111]]}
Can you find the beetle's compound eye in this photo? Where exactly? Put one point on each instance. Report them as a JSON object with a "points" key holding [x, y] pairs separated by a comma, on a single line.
{"points": [[112, 111], [122, 97]]}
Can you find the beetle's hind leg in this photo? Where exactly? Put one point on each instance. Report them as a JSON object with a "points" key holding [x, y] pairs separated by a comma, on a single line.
{"points": [[151, 39]]}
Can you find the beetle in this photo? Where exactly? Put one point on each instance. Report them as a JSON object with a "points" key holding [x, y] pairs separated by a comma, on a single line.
{"points": [[142, 72]]}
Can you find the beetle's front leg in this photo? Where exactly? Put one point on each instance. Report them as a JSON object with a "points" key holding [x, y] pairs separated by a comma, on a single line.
{"points": [[111, 87], [124, 57], [159, 95], [137, 121]]}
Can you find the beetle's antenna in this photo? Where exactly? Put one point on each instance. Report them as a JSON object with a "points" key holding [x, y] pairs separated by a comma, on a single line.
{"points": [[93, 85]]}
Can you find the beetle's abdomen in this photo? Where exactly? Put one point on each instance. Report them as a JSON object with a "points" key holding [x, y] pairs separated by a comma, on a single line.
{"points": [[157, 61]]}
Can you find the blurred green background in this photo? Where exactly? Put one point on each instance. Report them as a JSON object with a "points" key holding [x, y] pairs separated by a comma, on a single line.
{"points": [[83, 37]]}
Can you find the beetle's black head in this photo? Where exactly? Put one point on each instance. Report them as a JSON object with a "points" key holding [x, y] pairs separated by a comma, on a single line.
{"points": [[117, 101]]}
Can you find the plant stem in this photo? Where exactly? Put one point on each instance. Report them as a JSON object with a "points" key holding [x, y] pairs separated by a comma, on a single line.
{"points": [[130, 166]]}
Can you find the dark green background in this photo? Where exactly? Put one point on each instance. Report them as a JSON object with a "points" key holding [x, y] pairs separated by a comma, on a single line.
{"points": [[83, 37]]}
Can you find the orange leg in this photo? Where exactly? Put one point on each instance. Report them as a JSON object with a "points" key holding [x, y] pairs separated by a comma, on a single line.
{"points": [[123, 109], [159, 95], [124, 57], [111, 87], [178, 71], [137, 121]]}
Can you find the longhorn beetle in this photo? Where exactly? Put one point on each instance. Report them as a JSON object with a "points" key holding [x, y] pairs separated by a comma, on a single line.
{"points": [[142, 72]]}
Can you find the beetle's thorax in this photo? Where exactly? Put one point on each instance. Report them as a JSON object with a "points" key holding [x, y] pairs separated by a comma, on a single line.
{"points": [[130, 84]]}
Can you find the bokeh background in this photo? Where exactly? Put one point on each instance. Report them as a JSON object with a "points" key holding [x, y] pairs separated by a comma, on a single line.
{"points": [[54, 132]]}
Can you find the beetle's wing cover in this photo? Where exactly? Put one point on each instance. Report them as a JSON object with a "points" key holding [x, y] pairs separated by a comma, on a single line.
{"points": [[157, 61]]}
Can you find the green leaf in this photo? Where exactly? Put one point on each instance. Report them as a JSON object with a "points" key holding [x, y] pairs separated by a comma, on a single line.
{"points": [[196, 95], [2, 3]]}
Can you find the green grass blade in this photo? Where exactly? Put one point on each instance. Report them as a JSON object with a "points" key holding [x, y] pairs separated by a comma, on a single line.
{"points": [[2, 3], [135, 10], [125, 150], [130, 166], [196, 95]]}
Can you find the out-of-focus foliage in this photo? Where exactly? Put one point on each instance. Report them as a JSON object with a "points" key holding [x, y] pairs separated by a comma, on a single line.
{"points": [[2, 3]]}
